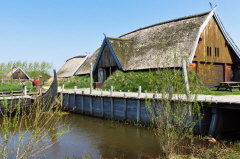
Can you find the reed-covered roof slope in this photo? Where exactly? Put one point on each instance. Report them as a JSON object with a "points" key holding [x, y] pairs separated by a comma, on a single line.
{"points": [[157, 46], [71, 66]]}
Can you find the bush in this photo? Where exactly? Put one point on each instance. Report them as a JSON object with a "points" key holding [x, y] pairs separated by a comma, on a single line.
{"points": [[151, 81]]}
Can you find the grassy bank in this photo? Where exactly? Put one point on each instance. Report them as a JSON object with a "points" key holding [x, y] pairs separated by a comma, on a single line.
{"points": [[14, 86], [150, 81], [79, 81], [156, 80]]}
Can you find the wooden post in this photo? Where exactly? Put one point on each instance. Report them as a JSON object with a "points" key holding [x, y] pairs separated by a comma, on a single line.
{"points": [[25, 90], [184, 67], [75, 88], [111, 91], [40, 90], [139, 91], [91, 78]]}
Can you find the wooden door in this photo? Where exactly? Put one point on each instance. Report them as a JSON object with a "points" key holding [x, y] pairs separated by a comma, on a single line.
{"points": [[211, 74]]}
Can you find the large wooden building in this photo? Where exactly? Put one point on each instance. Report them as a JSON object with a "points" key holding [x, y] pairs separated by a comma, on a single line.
{"points": [[200, 39]]}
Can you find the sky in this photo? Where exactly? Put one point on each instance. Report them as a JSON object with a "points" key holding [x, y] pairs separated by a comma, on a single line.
{"points": [[56, 30]]}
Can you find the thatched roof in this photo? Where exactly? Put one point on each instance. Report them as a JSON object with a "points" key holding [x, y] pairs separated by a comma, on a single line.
{"points": [[160, 45], [71, 66]]}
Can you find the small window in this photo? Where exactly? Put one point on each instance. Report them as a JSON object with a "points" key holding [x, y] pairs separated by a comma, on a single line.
{"points": [[209, 51], [216, 52]]}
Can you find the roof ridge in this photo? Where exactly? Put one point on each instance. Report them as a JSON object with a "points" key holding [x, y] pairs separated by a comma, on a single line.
{"points": [[80, 56], [120, 39], [168, 21]]}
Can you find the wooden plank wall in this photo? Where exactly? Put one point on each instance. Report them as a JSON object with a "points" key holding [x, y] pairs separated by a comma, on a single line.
{"points": [[134, 110], [211, 67], [19, 75], [106, 59], [129, 109]]}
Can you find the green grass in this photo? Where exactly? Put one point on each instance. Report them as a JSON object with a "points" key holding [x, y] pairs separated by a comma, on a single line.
{"points": [[14, 86], [213, 91], [79, 81]]}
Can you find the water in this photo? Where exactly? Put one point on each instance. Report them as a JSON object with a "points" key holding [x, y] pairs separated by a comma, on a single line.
{"points": [[100, 138]]}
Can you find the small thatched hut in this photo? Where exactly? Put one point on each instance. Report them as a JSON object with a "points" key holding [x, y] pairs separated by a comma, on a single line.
{"points": [[18, 73], [71, 66], [200, 39]]}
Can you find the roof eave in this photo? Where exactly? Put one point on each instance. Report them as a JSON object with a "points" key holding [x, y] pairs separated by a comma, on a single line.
{"points": [[203, 26]]}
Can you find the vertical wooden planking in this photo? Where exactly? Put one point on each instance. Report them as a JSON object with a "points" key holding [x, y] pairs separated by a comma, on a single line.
{"points": [[111, 100], [112, 109], [91, 77], [68, 101], [74, 98], [102, 104], [138, 110], [125, 107], [91, 108], [139, 103], [214, 120], [82, 102]]}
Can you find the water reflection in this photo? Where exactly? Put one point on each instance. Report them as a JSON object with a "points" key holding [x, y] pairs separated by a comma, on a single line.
{"points": [[101, 138]]}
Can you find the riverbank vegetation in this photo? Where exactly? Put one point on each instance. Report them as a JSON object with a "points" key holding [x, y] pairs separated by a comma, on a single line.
{"points": [[29, 129]]}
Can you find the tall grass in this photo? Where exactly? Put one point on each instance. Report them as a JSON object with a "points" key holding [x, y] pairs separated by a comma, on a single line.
{"points": [[28, 129], [14, 86]]}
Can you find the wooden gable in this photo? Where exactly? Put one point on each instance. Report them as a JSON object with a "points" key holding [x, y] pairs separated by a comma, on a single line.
{"points": [[18, 74], [212, 46], [215, 61], [107, 59]]}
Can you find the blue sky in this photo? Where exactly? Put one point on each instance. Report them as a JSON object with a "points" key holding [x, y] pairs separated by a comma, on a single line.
{"points": [[56, 30]]}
